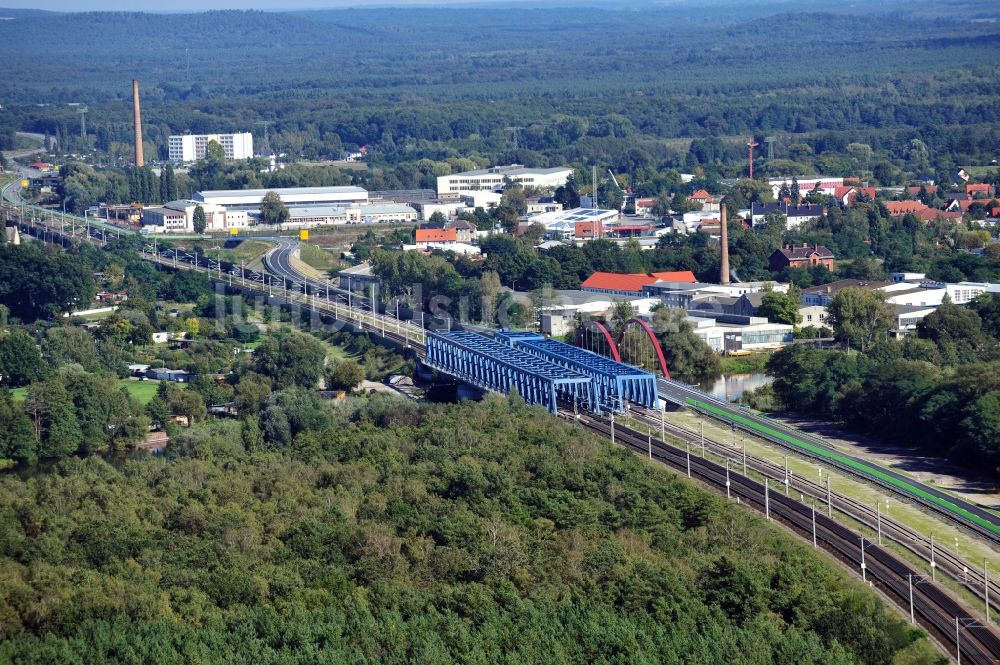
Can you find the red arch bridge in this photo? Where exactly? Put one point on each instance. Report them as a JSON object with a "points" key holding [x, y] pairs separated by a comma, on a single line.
{"points": [[543, 371], [636, 343]]}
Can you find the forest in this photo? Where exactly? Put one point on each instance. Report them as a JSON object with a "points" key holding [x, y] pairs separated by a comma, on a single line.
{"points": [[448, 88], [390, 532]]}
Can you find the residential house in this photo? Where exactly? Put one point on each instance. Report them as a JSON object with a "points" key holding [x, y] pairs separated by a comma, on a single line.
{"points": [[813, 315], [464, 231], [847, 194], [930, 189], [644, 205], [804, 256], [437, 235], [707, 201], [980, 190], [933, 214], [959, 205], [900, 208], [795, 215]]}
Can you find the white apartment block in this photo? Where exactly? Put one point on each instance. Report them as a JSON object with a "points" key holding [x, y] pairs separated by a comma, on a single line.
{"points": [[191, 147], [497, 178]]}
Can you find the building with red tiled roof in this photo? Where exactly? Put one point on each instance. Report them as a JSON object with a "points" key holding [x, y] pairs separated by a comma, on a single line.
{"points": [[932, 214], [707, 201], [900, 208], [914, 190], [632, 284], [981, 189], [437, 235], [847, 195], [804, 256]]}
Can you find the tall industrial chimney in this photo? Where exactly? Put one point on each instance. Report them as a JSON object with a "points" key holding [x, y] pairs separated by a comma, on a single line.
{"points": [[724, 277], [139, 161]]}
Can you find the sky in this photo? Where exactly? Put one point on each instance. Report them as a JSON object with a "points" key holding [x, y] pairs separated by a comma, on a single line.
{"points": [[197, 5]]}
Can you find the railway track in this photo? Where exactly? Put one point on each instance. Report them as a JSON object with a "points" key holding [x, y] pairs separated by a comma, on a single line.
{"points": [[972, 579], [930, 606]]}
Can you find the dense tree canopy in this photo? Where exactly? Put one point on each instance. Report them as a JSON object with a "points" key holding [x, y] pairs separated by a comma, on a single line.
{"points": [[388, 532], [38, 282]]}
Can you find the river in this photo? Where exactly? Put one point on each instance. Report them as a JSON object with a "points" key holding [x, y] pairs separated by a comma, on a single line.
{"points": [[729, 387]]}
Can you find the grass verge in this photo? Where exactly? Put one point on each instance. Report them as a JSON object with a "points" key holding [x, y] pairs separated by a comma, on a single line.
{"points": [[751, 364], [318, 258], [142, 391]]}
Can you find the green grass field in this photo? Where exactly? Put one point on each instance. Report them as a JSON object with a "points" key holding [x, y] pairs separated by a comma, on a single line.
{"points": [[318, 258], [247, 251], [142, 391]]}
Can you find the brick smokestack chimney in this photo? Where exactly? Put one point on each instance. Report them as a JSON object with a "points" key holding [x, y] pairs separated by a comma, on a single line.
{"points": [[724, 276], [139, 161]]}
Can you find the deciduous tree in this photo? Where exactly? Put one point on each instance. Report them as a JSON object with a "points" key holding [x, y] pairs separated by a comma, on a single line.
{"points": [[859, 316]]}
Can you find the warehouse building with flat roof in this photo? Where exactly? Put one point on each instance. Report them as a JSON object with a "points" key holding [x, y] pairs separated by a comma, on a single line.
{"points": [[249, 199]]}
